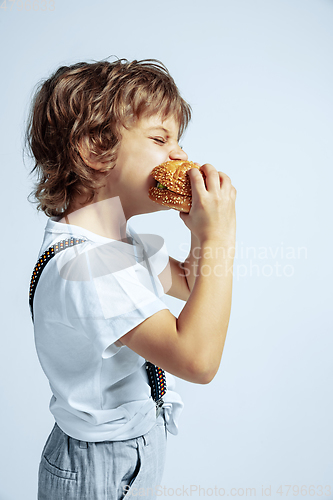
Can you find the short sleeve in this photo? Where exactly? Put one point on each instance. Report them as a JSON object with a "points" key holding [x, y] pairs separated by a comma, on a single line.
{"points": [[111, 289], [156, 251]]}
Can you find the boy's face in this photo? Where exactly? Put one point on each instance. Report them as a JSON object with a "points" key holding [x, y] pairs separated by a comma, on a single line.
{"points": [[148, 143]]}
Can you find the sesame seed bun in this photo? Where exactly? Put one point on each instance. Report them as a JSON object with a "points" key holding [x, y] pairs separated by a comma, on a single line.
{"points": [[177, 191]]}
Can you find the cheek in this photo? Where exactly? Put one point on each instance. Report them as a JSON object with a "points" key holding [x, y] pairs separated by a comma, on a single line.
{"points": [[140, 155]]}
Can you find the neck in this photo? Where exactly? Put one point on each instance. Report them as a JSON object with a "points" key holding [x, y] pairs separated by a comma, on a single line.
{"points": [[105, 218]]}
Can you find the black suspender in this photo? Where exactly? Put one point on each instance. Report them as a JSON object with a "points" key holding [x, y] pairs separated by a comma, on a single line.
{"points": [[156, 376]]}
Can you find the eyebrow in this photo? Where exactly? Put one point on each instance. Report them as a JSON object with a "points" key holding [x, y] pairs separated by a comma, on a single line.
{"points": [[159, 128]]}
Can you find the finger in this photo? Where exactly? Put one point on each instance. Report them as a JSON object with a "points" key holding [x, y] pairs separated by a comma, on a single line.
{"points": [[211, 175], [225, 181], [197, 184]]}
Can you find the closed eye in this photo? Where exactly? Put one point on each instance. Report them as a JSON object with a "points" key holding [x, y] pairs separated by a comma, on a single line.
{"points": [[159, 140]]}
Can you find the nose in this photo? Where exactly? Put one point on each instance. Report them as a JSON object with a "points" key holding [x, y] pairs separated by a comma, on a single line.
{"points": [[178, 154]]}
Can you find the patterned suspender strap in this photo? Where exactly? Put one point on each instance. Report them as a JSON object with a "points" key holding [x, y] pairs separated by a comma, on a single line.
{"points": [[43, 260], [157, 382], [156, 376]]}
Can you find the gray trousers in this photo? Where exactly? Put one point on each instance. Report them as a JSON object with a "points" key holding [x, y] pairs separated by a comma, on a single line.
{"points": [[108, 470]]}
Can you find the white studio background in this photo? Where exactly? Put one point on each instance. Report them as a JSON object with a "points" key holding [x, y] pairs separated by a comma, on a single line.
{"points": [[259, 77]]}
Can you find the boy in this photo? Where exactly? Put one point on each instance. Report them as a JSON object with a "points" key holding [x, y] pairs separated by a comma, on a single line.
{"points": [[96, 131]]}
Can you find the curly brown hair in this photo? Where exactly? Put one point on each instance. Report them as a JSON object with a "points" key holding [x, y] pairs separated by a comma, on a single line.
{"points": [[91, 102]]}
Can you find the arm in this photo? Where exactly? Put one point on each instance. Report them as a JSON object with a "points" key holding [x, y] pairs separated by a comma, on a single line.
{"points": [[191, 263], [180, 281], [191, 346], [174, 281]]}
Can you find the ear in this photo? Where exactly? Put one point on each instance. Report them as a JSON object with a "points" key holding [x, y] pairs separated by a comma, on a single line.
{"points": [[89, 158]]}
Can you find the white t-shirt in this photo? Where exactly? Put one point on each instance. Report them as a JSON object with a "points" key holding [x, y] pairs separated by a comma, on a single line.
{"points": [[89, 296]]}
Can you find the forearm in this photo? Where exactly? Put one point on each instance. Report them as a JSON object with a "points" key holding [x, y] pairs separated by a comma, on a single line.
{"points": [[203, 323], [190, 265]]}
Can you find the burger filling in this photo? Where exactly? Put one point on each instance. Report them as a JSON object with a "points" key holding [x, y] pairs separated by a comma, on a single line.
{"points": [[161, 186]]}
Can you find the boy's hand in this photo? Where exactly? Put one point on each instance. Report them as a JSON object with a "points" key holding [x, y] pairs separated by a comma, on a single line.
{"points": [[212, 215]]}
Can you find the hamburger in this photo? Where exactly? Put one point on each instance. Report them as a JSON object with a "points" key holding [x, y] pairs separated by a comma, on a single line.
{"points": [[173, 187]]}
